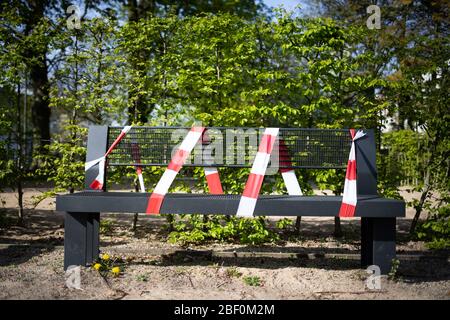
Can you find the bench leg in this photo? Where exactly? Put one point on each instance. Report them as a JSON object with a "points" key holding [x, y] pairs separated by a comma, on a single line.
{"points": [[366, 242], [378, 242], [81, 238]]}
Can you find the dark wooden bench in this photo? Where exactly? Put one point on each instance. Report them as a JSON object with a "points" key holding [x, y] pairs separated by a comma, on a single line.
{"points": [[307, 149]]}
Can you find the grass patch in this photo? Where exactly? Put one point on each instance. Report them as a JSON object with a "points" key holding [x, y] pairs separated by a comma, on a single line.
{"points": [[106, 226], [142, 277], [233, 272], [253, 281]]}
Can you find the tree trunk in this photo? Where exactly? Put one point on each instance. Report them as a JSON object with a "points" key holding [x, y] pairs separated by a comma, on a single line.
{"points": [[21, 214], [171, 222], [19, 166], [136, 215], [140, 9], [137, 112], [337, 221], [39, 77], [40, 107], [298, 223], [423, 197], [134, 223], [337, 227]]}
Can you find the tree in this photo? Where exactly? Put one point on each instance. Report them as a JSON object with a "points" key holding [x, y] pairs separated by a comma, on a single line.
{"points": [[414, 50], [425, 81], [87, 89], [149, 12], [15, 63]]}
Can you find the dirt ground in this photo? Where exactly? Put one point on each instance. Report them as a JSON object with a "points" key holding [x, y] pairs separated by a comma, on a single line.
{"points": [[314, 266]]}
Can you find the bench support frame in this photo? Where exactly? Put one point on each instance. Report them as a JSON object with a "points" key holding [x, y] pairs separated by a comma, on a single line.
{"points": [[378, 242], [81, 241], [81, 238]]}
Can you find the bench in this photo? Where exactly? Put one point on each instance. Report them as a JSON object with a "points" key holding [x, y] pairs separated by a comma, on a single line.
{"points": [[297, 148]]}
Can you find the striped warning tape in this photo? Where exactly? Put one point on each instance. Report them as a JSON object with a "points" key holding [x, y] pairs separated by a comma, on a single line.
{"points": [[350, 196], [289, 176], [211, 173], [249, 197], [253, 185], [213, 180], [177, 161], [137, 159], [99, 181]]}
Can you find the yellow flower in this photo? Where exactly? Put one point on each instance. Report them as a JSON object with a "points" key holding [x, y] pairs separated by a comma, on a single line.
{"points": [[115, 271], [105, 257], [97, 266]]}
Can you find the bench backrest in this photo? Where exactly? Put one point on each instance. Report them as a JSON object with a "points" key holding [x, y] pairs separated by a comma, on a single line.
{"points": [[236, 147]]}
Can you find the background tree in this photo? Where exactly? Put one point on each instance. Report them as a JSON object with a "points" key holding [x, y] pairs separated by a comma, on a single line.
{"points": [[16, 63]]}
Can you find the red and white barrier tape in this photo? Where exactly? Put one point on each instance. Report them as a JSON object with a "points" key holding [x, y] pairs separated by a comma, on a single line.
{"points": [[289, 176], [137, 159], [98, 182], [211, 173], [177, 161], [213, 179], [249, 197], [350, 196]]}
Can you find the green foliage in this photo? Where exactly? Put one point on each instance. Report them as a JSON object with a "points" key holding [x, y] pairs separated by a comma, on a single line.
{"points": [[90, 78], [84, 93], [221, 228], [403, 163], [14, 60], [436, 229], [64, 162], [393, 273], [400, 163], [284, 223], [233, 272], [108, 265], [8, 155], [106, 226], [142, 277], [331, 179], [252, 281]]}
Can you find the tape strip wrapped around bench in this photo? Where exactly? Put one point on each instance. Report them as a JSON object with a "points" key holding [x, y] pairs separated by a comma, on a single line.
{"points": [[269, 205]]}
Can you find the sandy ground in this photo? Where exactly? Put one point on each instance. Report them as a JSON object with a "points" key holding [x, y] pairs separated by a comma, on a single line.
{"points": [[314, 266]]}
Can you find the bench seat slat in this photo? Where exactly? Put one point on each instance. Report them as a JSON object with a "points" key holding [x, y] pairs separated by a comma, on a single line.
{"points": [[268, 205]]}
